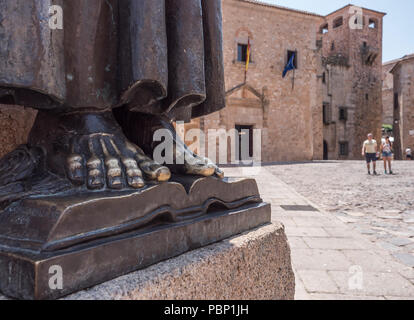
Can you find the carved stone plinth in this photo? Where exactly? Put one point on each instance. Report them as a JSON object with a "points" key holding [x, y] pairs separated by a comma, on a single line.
{"points": [[97, 236]]}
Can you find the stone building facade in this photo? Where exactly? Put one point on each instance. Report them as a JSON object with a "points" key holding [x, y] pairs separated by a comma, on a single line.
{"points": [[403, 73], [326, 107]]}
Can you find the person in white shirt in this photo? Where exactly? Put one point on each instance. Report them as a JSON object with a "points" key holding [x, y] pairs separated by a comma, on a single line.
{"points": [[408, 153], [370, 151]]}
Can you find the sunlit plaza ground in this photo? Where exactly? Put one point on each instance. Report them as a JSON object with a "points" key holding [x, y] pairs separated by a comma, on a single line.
{"points": [[361, 226]]}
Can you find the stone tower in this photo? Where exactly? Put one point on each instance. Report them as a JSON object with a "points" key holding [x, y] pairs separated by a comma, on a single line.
{"points": [[351, 41]]}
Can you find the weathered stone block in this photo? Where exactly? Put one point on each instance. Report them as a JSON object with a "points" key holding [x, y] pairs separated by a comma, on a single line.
{"points": [[254, 266]]}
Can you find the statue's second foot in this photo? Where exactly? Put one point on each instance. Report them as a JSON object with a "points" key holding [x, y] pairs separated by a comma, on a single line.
{"points": [[184, 160]]}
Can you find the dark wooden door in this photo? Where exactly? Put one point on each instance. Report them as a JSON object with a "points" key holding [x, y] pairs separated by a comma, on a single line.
{"points": [[242, 131]]}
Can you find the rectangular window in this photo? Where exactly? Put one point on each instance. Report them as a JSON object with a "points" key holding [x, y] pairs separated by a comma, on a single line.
{"points": [[326, 113], [295, 60], [338, 22], [372, 24], [242, 52], [324, 29], [343, 148], [319, 44], [396, 103], [343, 114]]}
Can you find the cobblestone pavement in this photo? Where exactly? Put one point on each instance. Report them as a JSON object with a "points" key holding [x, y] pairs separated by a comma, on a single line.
{"points": [[335, 255], [382, 207]]}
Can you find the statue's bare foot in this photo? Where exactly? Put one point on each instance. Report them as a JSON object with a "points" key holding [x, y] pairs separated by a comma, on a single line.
{"points": [[193, 163], [90, 149], [190, 163], [112, 162]]}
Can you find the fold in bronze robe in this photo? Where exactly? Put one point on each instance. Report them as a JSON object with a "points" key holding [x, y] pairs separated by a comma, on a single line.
{"points": [[150, 56]]}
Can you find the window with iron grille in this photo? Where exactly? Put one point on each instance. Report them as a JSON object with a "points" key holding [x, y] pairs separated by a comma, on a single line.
{"points": [[343, 114], [326, 113], [343, 148], [242, 52], [396, 102], [295, 59]]}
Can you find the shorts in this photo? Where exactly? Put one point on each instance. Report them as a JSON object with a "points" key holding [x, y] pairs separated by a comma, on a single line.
{"points": [[371, 157], [387, 154]]}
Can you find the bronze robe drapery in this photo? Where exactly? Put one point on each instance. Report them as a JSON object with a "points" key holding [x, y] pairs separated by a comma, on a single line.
{"points": [[150, 56]]}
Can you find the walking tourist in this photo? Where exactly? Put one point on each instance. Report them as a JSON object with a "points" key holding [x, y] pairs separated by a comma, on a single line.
{"points": [[386, 149], [370, 151], [408, 153]]}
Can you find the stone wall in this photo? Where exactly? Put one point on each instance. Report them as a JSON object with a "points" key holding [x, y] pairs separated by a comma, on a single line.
{"points": [[404, 113], [15, 125], [255, 265]]}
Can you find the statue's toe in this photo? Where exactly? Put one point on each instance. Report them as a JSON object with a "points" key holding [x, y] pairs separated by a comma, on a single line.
{"points": [[133, 173], [95, 178], [219, 173], [75, 169], [113, 173], [155, 171], [163, 174], [200, 168]]}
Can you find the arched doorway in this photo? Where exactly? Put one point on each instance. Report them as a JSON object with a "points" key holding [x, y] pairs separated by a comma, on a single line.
{"points": [[325, 150]]}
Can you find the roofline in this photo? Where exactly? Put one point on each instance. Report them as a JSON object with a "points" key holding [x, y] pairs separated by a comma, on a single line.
{"points": [[351, 5], [403, 59], [264, 4], [391, 62], [269, 5]]}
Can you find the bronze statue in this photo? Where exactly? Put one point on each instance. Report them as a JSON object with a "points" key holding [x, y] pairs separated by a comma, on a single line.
{"points": [[84, 194], [117, 71]]}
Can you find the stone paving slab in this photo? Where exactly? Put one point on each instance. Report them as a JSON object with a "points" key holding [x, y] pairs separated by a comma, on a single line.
{"points": [[375, 284], [331, 243], [316, 259], [405, 258], [317, 281], [328, 256], [306, 232]]}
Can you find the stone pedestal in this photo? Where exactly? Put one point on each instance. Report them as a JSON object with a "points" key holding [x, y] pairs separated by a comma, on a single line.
{"points": [[87, 238], [255, 265]]}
